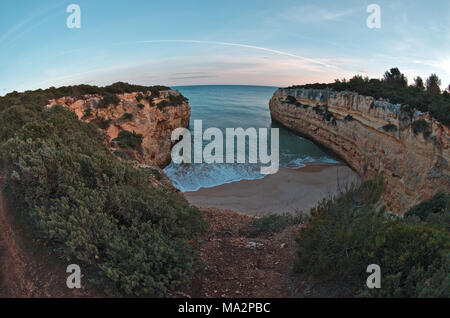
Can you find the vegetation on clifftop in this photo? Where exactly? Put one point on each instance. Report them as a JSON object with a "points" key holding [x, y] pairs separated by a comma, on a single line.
{"points": [[426, 97], [130, 238]]}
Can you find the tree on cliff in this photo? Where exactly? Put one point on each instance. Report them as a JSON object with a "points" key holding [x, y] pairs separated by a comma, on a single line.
{"points": [[418, 83], [395, 78], [394, 87], [433, 85]]}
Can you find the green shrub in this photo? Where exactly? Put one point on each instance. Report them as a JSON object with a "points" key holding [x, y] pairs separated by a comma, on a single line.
{"points": [[291, 99], [349, 233], [150, 100], [348, 118], [421, 126], [127, 139], [122, 154], [440, 109], [91, 209], [87, 113], [102, 123], [141, 106], [162, 104], [336, 228], [177, 100], [434, 211], [108, 99], [127, 117], [322, 110], [172, 101], [414, 261], [139, 97], [390, 128]]}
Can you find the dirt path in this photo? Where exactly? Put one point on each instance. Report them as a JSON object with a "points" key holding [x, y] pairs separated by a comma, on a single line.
{"points": [[12, 265], [25, 272], [234, 265]]}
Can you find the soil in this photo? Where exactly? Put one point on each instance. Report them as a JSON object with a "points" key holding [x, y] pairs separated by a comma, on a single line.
{"points": [[233, 265]]}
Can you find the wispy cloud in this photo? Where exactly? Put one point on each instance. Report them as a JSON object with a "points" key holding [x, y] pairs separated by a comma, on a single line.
{"points": [[316, 13], [25, 25], [241, 45]]}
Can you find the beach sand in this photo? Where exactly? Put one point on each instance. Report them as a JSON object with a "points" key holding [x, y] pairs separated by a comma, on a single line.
{"points": [[289, 190]]}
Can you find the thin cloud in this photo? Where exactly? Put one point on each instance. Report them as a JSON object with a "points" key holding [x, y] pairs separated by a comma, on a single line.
{"points": [[14, 30], [278, 52], [192, 77], [315, 14]]}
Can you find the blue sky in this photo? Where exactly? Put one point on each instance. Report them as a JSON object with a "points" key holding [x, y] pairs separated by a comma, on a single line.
{"points": [[192, 42]]}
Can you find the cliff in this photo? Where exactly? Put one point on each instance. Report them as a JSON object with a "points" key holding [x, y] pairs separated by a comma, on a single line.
{"points": [[152, 116], [409, 147]]}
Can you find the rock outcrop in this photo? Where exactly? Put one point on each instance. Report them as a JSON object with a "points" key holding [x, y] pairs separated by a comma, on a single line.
{"points": [[154, 117], [409, 147]]}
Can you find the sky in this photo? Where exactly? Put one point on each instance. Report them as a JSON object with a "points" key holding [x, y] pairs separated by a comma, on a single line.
{"points": [[248, 42]]}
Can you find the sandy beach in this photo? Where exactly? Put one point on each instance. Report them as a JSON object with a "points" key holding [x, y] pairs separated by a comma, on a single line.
{"points": [[289, 190]]}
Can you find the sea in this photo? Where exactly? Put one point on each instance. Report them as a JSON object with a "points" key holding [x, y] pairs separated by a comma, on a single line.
{"points": [[237, 106]]}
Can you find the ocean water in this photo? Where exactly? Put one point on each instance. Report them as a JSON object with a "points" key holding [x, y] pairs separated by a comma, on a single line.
{"points": [[224, 106]]}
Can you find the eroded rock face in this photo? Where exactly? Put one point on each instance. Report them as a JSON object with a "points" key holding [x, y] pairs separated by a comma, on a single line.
{"points": [[371, 136], [135, 112]]}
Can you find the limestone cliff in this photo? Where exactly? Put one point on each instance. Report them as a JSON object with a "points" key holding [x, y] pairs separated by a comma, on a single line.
{"points": [[409, 147], [154, 117]]}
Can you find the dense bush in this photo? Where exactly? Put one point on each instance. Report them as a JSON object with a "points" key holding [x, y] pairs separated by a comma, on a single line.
{"points": [[162, 104], [176, 100], [139, 97], [394, 87], [291, 99], [122, 154], [108, 99], [390, 128], [322, 110], [347, 234], [150, 100], [87, 113], [129, 237], [434, 211], [127, 139], [421, 126], [348, 118], [102, 123], [126, 117], [173, 100]]}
